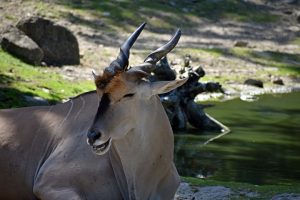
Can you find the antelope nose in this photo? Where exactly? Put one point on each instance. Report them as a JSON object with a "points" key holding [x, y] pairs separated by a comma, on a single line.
{"points": [[93, 136]]}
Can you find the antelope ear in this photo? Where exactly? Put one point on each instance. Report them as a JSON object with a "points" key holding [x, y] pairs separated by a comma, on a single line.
{"points": [[161, 87]]}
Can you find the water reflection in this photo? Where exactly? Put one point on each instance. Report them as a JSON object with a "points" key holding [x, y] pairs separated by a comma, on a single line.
{"points": [[262, 147]]}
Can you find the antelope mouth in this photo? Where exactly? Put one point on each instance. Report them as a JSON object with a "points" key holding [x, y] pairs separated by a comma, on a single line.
{"points": [[101, 149]]}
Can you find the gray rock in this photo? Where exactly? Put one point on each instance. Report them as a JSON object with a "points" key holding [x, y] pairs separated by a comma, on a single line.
{"points": [[20, 45], [213, 193], [288, 12], [286, 196], [247, 193], [59, 45], [254, 82], [241, 44], [106, 14], [278, 82], [184, 192]]}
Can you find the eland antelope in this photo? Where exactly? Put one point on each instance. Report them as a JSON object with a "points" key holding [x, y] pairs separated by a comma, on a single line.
{"points": [[129, 155]]}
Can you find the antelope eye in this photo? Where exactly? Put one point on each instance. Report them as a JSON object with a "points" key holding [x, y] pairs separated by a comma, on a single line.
{"points": [[128, 95]]}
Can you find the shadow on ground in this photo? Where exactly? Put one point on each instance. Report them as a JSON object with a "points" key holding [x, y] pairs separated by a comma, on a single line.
{"points": [[226, 20], [11, 97]]}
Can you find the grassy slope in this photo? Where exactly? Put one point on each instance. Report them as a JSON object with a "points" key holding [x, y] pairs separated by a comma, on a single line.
{"points": [[171, 13], [18, 79], [288, 64], [165, 15], [285, 64]]}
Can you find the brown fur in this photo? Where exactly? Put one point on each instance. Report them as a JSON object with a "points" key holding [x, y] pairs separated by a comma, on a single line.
{"points": [[115, 86], [102, 81]]}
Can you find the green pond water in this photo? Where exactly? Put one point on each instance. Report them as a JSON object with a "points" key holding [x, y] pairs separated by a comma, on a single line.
{"points": [[263, 146]]}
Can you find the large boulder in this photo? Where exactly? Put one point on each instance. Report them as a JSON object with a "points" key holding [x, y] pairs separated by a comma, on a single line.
{"points": [[20, 45], [59, 45], [254, 82]]}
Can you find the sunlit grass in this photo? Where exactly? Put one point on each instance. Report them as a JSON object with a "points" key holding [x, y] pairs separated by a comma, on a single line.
{"points": [[288, 64], [200, 52], [275, 63], [256, 17], [37, 81], [296, 41], [172, 13]]}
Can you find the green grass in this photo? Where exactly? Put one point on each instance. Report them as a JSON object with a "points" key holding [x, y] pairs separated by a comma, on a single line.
{"points": [[199, 53], [166, 15], [18, 78], [288, 64], [10, 17], [296, 41], [252, 16], [275, 63], [264, 191]]}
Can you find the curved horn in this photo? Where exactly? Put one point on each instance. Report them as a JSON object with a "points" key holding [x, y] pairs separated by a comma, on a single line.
{"points": [[151, 60], [121, 63]]}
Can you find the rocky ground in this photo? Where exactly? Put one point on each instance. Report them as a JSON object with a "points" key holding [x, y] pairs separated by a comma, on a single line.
{"points": [[187, 192], [211, 43], [230, 51]]}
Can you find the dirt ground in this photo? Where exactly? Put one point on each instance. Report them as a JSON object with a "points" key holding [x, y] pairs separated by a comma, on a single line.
{"points": [[98, 47]]}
